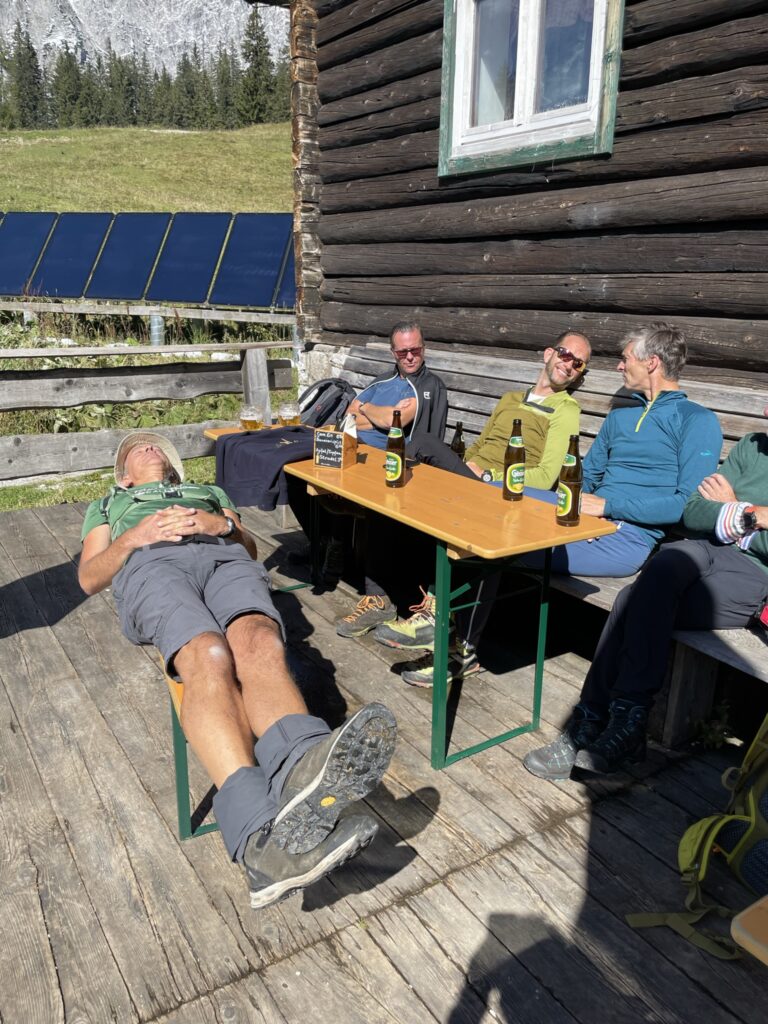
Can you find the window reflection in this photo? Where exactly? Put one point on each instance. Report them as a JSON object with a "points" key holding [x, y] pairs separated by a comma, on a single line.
{"points": [[494, 60], [565, 50]]}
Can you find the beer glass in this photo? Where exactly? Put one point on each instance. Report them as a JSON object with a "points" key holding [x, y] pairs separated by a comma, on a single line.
{"points": [[288, 414], [251, 418]]}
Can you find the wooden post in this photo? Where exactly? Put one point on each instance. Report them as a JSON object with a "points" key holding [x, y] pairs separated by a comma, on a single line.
{"points": [[256, 381]]}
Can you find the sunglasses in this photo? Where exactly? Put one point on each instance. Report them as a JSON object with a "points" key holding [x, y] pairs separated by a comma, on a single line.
{"points": [[403, 353], [569, 357]]}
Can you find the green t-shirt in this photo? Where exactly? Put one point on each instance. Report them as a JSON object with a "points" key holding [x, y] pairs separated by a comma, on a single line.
{"points": [[124, 507]]}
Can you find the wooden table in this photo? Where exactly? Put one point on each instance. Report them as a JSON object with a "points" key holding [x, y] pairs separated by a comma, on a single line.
{"points": [[468, 519], [750, 929]]}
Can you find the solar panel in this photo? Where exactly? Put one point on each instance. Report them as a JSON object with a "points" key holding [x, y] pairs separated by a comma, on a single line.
{"points": [[189, 258], [252, 260], [63, 271], [22, 236], [286, 293], [128, 256]]}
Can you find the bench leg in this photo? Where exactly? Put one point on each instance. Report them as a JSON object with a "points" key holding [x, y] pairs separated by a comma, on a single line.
{"points": [[187, 828], [687, 696]]}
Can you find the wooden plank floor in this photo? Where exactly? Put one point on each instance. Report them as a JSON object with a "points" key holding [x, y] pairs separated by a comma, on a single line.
{"points": [[487, 895]]}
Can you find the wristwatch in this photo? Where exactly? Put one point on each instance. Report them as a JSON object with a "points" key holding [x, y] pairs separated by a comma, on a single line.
{"points": [[749, 517], [230, 527]]}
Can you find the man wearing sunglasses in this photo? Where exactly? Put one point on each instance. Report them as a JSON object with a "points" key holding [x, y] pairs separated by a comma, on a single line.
{"points": [[410, 387], [184, 578]]}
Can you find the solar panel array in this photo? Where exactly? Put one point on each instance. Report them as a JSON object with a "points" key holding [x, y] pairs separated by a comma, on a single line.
{"points": [[211, 259]]}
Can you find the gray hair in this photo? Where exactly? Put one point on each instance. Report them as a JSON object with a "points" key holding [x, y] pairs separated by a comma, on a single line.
{"points": [[662, 339], [403, 327]]}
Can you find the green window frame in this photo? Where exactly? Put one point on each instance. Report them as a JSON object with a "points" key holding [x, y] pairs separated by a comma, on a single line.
{"points": [[526, 81]]}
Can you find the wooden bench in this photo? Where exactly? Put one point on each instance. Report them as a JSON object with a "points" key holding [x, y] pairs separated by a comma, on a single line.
{"points": [[191, 823], [475, 383]]}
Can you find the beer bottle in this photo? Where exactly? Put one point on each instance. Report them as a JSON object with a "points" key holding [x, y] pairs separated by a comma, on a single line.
{"points": [[568, 508], [394, 464], [457, 444], [514, 464]]}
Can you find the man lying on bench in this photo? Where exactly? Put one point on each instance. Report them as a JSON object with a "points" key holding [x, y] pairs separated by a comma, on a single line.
{"points": [[184, 578]]}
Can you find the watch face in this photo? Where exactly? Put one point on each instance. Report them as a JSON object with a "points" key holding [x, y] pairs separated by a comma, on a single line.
{"points": [[750, 520]]}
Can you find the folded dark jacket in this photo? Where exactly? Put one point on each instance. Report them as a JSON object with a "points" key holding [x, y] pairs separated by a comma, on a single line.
{"points": [[249, 466]]}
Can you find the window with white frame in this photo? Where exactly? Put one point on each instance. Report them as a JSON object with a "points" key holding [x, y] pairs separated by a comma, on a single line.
{"points": [[528, 80]]}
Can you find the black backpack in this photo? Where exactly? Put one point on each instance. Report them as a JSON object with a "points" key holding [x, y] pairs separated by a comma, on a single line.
{"points": [[326, 401]]}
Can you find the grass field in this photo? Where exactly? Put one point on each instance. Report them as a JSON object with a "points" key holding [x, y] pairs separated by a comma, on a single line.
{"points": [[130, 169]]}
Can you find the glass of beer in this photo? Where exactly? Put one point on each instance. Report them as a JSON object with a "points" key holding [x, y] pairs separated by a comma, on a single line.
{"points": [[251, 418], [288, 414]]}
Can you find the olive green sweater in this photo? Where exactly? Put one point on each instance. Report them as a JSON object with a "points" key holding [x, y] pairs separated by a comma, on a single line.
{"points": [[547, 426]]}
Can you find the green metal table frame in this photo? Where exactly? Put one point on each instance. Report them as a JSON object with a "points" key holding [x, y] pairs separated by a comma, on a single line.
{"points": [[444, 598]]}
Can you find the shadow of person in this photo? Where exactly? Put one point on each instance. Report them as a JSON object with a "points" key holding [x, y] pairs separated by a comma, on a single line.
{"points": [[388, 854], [41, 599]]}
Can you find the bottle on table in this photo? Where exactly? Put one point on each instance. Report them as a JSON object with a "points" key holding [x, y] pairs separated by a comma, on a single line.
{"points": [[568, 508], [514, 464], [394, 463], [457, 444]]}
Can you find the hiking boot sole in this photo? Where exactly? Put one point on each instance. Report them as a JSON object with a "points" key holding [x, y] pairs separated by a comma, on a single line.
{"points": [[424, 684], [589, 761], [279, 891], [355, 765], [423, 645]]}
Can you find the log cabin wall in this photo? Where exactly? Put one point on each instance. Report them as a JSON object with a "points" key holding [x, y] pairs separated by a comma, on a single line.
{"points": [[672, 224]]}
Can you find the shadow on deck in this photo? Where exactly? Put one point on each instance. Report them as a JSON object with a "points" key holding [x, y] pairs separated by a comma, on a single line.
{"points": [[487, 894]]}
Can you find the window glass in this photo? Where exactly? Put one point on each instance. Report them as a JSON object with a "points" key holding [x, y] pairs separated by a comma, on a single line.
{"points": [[494, 61], [565, 53]]}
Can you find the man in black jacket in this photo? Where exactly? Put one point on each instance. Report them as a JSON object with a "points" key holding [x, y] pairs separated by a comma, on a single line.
{"points": [[422, 400]]}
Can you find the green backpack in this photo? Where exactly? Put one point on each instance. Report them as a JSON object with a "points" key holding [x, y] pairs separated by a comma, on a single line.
{"points": [[740, 834]]}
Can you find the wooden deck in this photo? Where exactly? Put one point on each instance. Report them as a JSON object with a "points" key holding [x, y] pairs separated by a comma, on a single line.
{"points": [[488, 894]]}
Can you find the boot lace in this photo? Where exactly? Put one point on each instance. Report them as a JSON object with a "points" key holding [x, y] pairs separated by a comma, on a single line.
{"points": [[368, 603]]}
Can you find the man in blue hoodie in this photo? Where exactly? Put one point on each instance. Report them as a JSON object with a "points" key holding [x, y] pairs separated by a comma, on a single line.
{"points": [[645, 461]]}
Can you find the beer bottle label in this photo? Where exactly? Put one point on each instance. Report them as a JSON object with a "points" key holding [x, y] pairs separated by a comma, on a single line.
{"points": [[564, 498], [395, 432], [569, 460], [516, 441], [393, 466], [516, 477]]}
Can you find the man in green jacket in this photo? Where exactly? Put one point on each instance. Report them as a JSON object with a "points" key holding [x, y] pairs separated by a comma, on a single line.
{"points": [[717, 581]]}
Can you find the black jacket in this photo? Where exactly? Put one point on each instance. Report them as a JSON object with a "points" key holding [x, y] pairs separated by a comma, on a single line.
{"points": [[431, 402], [249, 466]]}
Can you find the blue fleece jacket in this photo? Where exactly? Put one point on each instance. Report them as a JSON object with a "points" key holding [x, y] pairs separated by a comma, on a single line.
{"points": [[647, 459]]}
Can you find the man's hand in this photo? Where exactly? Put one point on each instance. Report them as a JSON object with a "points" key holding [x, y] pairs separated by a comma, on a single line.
{"points": [[716, 488], [591, 505], [177, 522]]}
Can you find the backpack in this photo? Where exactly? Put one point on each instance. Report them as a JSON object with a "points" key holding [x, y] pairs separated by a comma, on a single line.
{"points": [[326, 401], [740, 834]]}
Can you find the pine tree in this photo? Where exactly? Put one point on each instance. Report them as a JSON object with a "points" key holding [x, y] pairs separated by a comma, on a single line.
{"points": [[281, 96], [88, 110], [120, 98], [254, 99], [66, 84], [26, 82], [226, 76], [183, 93], [144, 91], [162, 98]]}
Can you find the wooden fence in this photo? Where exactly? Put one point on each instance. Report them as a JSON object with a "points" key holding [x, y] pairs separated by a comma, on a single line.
{"points": [[24, 455]]}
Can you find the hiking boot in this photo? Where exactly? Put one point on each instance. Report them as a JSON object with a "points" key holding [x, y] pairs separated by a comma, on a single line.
{"points": [[274, 874], [417, 632], [338, 770], [621, 743], [333, 563], [462, 662], [370, 611], [556, 759]]}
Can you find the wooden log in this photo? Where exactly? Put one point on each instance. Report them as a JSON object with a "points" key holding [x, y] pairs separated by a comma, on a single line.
{"points": [[689, 148], [691, 199], [358, 13], [729, 343], [734, 43], [398, 27], [323, 7], [655, 19], [411, 117], [41, 454], [406, 90], [421, 53], [734, 295], [679, 252]]}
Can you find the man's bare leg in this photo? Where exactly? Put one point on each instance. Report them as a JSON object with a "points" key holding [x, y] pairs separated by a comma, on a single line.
{"points": [[213, 715], [269, 692]]}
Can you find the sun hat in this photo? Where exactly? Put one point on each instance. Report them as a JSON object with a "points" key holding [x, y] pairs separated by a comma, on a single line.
{"points": [[138, 437]]}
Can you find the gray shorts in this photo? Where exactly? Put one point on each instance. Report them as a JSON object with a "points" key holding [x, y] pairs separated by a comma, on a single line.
{"points": [[166, 596]]}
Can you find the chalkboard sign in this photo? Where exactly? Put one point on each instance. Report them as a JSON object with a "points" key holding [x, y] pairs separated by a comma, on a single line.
{"points": [[335, 449]]}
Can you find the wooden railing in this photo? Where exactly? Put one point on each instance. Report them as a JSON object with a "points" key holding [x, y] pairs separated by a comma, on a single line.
{"points": [[26, 455]]}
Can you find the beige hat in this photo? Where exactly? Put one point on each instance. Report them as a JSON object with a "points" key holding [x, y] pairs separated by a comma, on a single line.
{"points": [[146, 437]]}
